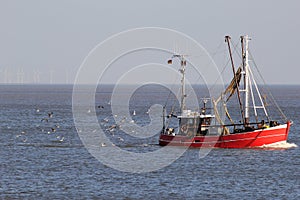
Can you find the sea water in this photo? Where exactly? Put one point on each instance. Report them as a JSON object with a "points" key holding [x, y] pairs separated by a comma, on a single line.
{"points": [[42, 156]]}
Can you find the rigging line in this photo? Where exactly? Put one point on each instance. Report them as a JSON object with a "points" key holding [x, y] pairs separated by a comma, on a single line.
{"points": [[172, 109], [211, 54], [217, 51], [212, 57], [259, 95], [225, 66], [268, 89], [214, 53], [264, 92], [238, 52], [173, 87], [167, 123], [173, 106]]}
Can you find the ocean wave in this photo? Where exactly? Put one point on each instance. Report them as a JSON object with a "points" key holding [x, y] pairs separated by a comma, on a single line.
{"points": [[280, 145]]}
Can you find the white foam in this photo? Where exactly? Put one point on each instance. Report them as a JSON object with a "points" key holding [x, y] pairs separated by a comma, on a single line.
{"points": [[280, 145]]}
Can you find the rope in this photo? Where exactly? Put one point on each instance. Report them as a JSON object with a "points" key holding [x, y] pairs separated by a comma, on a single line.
{"points": [[267, 88], [225, 66], [218, 51]]}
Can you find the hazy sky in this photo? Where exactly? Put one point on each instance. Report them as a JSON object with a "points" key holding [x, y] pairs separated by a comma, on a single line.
{"points": [[46, 41]]}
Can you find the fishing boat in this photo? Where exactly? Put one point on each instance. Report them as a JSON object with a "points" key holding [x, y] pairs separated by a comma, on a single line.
{"points": [[204, 128]]}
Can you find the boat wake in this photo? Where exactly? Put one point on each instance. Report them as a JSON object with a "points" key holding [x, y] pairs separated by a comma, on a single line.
{"points": [[280, 145]]}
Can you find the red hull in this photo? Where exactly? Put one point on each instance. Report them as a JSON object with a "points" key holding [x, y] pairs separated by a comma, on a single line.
{"points": [[251, 139]]}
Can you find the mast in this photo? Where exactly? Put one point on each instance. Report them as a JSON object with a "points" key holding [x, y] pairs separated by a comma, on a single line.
{"points": [[249, 81], [182, 71], [244, 40], [227, 38], [164, 119]]}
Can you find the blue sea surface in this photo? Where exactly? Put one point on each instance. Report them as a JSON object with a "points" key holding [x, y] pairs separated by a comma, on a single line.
{"points": [[42, 156]]}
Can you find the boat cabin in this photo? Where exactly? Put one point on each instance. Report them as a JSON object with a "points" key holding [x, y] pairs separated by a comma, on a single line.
{"points": [[191, 123]]}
